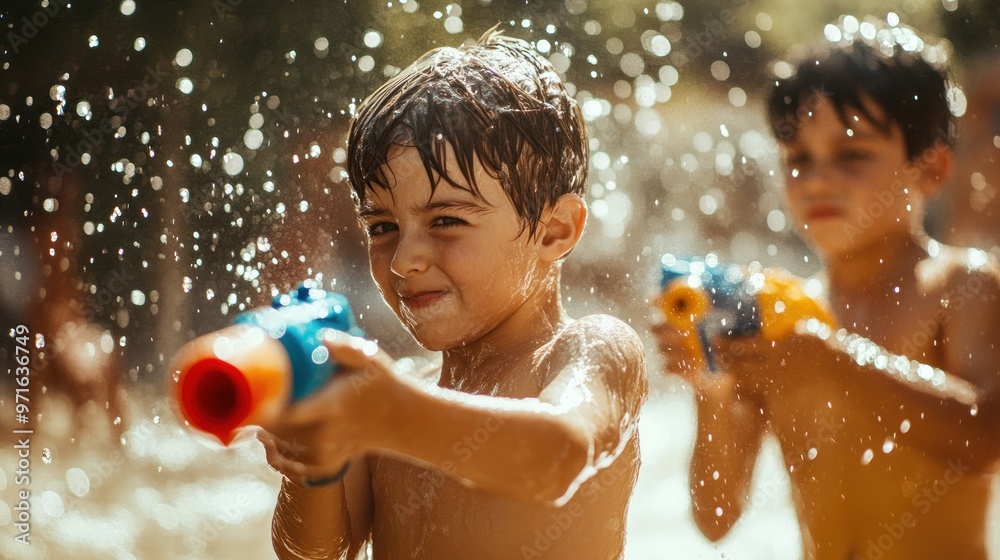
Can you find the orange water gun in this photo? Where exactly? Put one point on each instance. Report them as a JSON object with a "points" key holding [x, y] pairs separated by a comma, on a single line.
{"points": [[249, 372], [703, 298]]}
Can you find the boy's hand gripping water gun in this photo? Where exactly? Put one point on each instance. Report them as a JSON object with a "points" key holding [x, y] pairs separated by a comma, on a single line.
{"points": [[248, 373], [702, 299]]}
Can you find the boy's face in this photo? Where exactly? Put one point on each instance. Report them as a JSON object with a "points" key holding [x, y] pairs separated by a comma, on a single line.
{"points": [[452, 267], [849, 187]]}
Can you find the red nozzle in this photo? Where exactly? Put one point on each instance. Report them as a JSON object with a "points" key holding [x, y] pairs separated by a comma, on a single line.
{"points": [[231, 378], [215, 398]]}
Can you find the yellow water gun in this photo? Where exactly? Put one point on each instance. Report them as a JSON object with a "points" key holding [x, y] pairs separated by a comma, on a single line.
{"points": [[703, 298]]}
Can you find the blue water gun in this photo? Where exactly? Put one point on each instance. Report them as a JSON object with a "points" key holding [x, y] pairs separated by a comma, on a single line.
{"points": [[249, 372]]}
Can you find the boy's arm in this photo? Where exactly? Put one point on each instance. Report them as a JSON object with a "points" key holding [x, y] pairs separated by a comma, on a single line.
{"points": [[914, 404], [951, 411], [537, 449], [971, 331], [730, 428], [531, 449], [729, 433], [329, 521], [919, 406]]}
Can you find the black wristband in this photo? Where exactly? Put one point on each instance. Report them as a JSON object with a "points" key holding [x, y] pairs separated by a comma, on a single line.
{"points": [[315, 483]]}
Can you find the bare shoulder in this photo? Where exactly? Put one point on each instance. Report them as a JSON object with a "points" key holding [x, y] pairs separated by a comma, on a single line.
{"points": [[603, 354], [600, 334], [963, 273], [602, 345]]}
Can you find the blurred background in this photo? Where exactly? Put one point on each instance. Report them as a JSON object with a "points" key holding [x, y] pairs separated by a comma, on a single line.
{"points": [[167, 165]]}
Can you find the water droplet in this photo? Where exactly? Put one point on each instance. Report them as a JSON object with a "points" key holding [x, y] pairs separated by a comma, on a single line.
{"points": [[974, 410], [78, 482], [184, 57], [127, 7], [812, 453], [372, 39], [904, 426], [232, 163], [185, 85], [83, 109], [718, 512], [888, 445], [253, 138], [867, 456], [46, 455]]}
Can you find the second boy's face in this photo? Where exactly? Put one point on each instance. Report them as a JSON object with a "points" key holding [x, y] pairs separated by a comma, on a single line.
{"points": [[451, 266], [848, 187]]}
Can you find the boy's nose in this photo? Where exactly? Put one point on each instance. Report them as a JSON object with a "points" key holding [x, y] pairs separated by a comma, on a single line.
{"points": [[412, 255], [817, 178]]}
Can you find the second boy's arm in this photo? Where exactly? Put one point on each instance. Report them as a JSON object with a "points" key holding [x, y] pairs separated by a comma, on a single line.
{"points": [[942, 406], [934, 410], [730, 428], [729, 431]]}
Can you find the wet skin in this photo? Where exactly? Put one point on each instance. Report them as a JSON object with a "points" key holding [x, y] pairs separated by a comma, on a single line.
{"points": [[881, 465], [520, 442]]}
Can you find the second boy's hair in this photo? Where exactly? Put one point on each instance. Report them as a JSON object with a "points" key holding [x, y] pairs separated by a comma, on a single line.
{"points": [[497, 100], [911, 91]]}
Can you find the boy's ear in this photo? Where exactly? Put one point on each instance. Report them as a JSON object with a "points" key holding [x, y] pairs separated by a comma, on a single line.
{"points": [[935, 166], [562, 225]]}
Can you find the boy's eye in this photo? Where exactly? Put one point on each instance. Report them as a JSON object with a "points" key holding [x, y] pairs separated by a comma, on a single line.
{"points": [[854, 155], [448, 221], [796, 160], [381, 228]]}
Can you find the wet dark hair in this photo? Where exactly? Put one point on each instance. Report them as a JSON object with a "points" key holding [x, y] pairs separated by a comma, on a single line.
{"points": [[911, 91], [497, 100]]}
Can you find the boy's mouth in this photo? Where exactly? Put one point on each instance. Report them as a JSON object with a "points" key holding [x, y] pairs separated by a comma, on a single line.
{"points": [[420, 300], [824, 211]]}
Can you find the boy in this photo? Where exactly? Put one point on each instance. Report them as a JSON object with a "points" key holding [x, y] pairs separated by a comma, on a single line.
{"points": [[468, 169], [880, 429]]}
